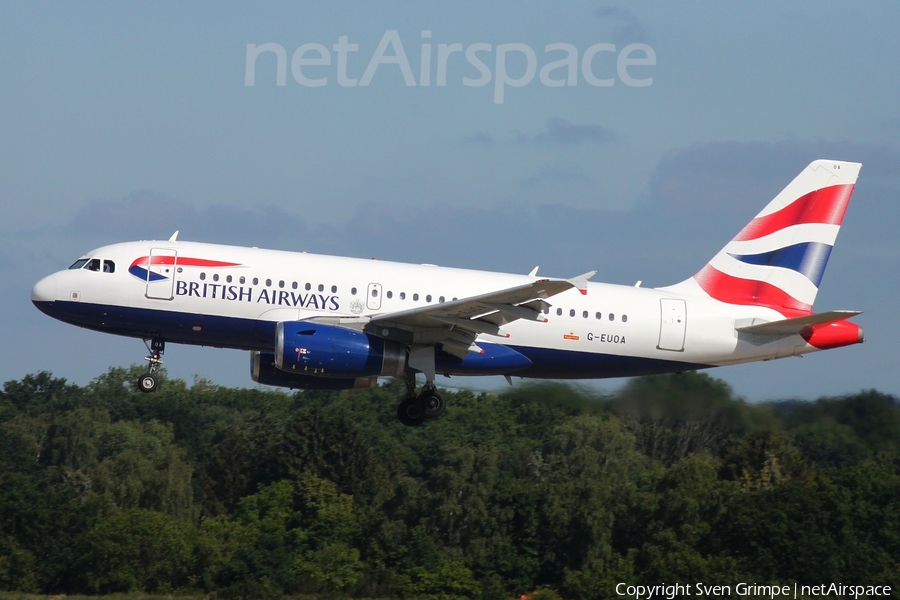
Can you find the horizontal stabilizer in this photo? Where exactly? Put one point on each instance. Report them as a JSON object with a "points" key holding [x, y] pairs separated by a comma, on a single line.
{"points": [[797, 325]]}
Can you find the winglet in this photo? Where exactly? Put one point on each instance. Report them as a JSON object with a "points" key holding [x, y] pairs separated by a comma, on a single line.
{"points": [[174, 237], [534, 272], [580, 282]]}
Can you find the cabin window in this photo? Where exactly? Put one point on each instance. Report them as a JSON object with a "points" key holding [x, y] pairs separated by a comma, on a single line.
{"points": [[390, 294], [294, 285], [353, 291], [374, 292], [228, 279], [428, 298], [624, 318], [415, 297], [79, 263], [321, 288], [585, 314], [572, 312], [307, 287], [242, 280], [612, 317], [281, 284], [202, 276], [109, 266], [441, 299], [558, 312], [256, 281], [215, 276], [268, 283], [403, 295], [599, 316], [334, 289], [546, 311]]}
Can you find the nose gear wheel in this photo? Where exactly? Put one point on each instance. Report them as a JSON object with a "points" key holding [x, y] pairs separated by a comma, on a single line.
{"points": [[148, 382]]}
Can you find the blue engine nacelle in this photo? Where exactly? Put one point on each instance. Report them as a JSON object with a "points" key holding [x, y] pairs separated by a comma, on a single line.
{"points": [[264, 371], [322, 350]]}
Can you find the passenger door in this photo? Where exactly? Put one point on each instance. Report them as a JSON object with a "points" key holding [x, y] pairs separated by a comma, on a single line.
{"points": [[673, 319], [161, 269]]}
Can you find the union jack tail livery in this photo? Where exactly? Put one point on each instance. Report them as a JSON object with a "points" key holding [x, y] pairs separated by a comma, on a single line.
{"points": [[778, 259]]}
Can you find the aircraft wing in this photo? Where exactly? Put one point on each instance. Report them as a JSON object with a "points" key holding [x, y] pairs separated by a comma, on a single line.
{"points": [[797, 325], [457, 323]]}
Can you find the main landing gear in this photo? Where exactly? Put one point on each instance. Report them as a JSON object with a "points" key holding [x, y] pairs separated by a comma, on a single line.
{"points": [[148, 383], [415, 409]]}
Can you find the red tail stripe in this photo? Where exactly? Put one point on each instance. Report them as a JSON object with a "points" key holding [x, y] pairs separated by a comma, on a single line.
{"points": [[735, 290], [825, 205]]}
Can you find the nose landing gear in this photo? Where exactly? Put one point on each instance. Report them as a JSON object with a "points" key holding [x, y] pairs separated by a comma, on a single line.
{"points": [[149, 383]]}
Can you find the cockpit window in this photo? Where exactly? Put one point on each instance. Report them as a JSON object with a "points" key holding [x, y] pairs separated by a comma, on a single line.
{"points": [[93, 265], [109, 266], [79, 263]]}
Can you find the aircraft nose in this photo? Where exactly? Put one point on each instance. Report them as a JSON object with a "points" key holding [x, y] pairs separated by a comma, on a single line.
{"points": [[44, 290]]}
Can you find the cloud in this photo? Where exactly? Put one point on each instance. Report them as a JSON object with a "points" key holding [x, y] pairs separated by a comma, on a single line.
{"points": [[724, 177], [479, 137], [561, 132], [556, 174], [892, 124], [151, 215], [696, 199], [626, 28]]}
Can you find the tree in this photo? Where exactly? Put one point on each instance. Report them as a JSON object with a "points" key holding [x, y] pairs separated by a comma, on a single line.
{"points": [[138, 550], [226, 478], [674, 416], [141, 467]]}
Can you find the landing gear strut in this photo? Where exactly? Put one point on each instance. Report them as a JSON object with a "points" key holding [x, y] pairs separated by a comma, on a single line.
{"points": [[148, 383], [415, 409]]}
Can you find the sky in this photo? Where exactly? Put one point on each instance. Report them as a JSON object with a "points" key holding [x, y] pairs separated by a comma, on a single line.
{"points": [[123, 121]]}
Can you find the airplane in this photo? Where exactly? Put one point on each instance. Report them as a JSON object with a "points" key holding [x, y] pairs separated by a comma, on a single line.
{"points": [[327, 322]]}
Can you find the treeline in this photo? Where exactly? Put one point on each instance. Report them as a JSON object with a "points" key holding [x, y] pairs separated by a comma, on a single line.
{"points": [[542, 488]]}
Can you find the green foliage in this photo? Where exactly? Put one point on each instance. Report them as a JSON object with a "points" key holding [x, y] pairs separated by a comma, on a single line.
{"points": [[673, 417], [450, 580], [17, 567], [137, 550], [543, 490], [835, 432]]}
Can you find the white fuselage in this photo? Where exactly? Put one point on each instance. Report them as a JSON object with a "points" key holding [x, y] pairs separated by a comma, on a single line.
{"points": [[611, 330]]}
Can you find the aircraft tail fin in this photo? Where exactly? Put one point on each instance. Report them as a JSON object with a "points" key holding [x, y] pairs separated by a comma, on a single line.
{"points": [[779, 257]]}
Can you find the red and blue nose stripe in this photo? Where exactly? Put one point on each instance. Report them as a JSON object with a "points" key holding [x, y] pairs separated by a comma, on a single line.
{"points": [[139, 268]]}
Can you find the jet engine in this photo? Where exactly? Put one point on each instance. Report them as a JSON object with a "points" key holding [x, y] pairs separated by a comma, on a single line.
{"points": [[322, 350], [263, 370]]}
